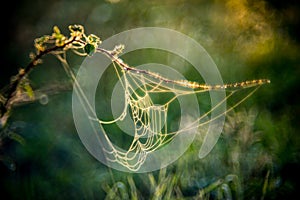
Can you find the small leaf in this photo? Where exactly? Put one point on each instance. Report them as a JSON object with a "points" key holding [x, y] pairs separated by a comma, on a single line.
{"points": [[2, 99], [42, 40], [29, 91], [89, 49], [76, 28], [17, 137], [93, 39], [40, 43], [56, 30]]}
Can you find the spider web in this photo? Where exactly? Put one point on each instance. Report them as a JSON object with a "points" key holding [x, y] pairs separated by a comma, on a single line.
{"points": [[151, 130], [150, 124]]}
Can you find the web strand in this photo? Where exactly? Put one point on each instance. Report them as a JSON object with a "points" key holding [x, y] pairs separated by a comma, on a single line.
{"points": [[149, 119]]}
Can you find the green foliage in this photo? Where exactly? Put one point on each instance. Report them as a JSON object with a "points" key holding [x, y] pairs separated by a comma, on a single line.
{"points": [[89, 49], [226, 173]]}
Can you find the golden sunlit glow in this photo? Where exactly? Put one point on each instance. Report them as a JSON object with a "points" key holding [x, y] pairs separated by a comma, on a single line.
{"points": [[250, 27]]}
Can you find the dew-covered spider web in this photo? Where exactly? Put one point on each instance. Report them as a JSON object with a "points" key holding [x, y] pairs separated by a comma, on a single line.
{"points": [[146, 116]]}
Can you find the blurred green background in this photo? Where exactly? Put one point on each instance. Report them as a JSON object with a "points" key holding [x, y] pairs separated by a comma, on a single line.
{"points": [[257, 156]]}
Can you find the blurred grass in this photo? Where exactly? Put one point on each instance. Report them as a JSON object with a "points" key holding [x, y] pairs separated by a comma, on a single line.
{"points": [[247, 40]]}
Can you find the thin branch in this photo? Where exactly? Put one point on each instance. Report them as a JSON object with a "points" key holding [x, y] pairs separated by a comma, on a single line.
{"points": [[183, 83], [11, 91]]}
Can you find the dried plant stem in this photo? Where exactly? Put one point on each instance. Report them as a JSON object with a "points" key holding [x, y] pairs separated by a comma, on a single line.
{"points": [[11, 92]]}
